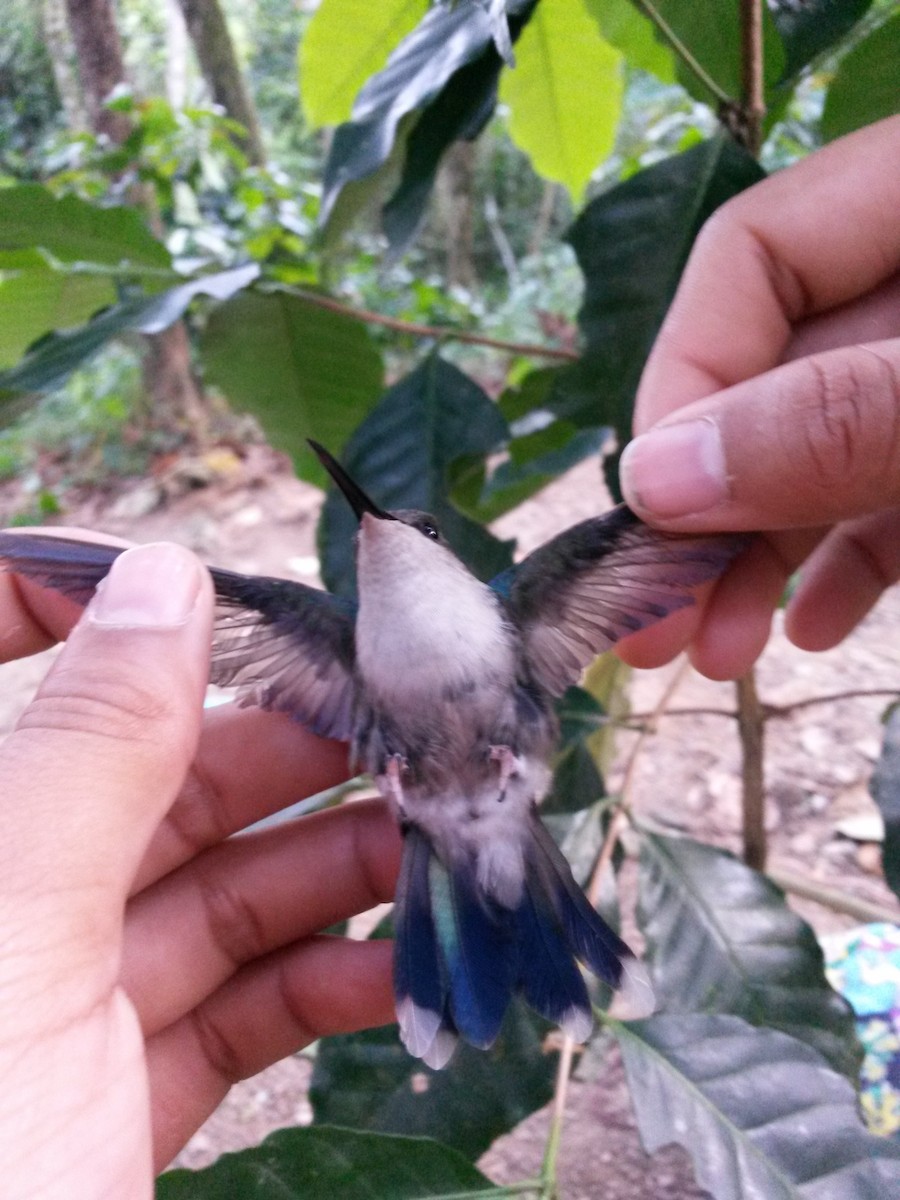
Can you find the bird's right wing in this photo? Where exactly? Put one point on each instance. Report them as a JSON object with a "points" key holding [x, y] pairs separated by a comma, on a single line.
{"points": [[286, 646]]}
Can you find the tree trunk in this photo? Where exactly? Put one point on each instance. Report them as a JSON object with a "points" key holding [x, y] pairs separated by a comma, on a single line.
{"points": [[455, 188], [62, 59], [175, 393], [176, 55], [100, 63], [221, 70]]}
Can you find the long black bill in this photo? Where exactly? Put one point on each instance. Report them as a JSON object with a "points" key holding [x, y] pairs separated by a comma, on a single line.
{"points": [[356, 497]]}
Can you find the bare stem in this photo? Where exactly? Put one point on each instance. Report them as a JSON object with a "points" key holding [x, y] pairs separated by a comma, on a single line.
{"points": [[751, 725], [682, 51], [752, 101], [440, 332], [769, 711], [554, 1138]]}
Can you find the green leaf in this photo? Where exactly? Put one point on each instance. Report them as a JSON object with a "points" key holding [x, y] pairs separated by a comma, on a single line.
{"points": [[565, 94], [368, 1081], [345, 43], [302, 370], [72, 230], [447, 37], [712, 33], [401, 455], [34, 302], [52, 359], [721, 939], [760, 1114], [885, 789], [632, 33], [577, 782], [815, 25], [632, 243], [341, 1164], [866, 86]]}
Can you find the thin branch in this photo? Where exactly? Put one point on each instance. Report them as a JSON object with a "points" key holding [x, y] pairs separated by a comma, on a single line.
{"points": [[751, 724], [554, 1137], [441, 332], [833, 898], [752, 102], [682, 51], [776, 711]]}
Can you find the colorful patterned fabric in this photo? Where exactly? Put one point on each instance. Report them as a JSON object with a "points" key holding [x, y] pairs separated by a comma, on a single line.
{"points": [[864, 966]]}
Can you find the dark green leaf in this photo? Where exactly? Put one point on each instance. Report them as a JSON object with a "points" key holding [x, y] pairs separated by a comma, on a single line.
{"points": [[885, 789], [535, 459], [368, 1081], [53, 358], [632, 243], [340, 1164], [631, 32], [761, 1115], [446, 39], [401, 455], [721, 939], [809, 28], [577, 782], [866, 86], [73, 230], [302, 370], [712, 33]]}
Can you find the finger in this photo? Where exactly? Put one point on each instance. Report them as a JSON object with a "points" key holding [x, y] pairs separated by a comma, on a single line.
{"points": [[760, 265], [810, 443], [843, 579], [874, 317], [33, 618], [249, 896], [249, 764], [268, 1010], [103, 749]]}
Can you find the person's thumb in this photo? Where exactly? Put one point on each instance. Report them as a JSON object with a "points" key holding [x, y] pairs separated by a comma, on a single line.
{"points": [[101, 752], [810, 443]]}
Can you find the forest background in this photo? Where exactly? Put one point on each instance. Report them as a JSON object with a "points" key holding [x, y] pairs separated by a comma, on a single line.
{"points": [[226, 223]]}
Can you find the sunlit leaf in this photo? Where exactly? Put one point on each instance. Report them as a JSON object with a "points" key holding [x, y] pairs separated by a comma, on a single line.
{"points": [[565, 94], [54, 357], [632, 33], [302, 370], [345, 43], [73, 230], [721, 939], [340, 1164], [760, 1114], [866, 86], [34, 302]]}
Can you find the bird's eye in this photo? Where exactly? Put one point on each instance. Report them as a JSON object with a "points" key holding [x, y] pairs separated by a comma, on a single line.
{"points": [[430, 531]]}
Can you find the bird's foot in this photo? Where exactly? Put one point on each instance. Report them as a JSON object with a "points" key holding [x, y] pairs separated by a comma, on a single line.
{"points": [[510, 765], [390, 782]]}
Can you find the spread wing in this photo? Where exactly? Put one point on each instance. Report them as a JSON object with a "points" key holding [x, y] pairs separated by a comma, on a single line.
{"points": [[288, 647], [609, 576]]}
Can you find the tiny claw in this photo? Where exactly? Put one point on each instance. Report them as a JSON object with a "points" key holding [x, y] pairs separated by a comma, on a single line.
{"points": [[509, 765]]}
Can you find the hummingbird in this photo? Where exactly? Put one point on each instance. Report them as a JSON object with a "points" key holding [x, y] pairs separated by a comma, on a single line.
{"points": [[445, 687]]}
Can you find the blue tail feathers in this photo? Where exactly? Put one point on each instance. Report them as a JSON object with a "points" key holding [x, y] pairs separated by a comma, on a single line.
{"points": [[460, 956]]}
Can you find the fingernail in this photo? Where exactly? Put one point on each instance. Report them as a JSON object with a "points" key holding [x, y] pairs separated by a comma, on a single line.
{"points": [[153, 586], [675, 470]]}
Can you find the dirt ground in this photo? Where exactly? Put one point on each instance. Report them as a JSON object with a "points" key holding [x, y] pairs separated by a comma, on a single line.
{"points": [[252, 515]]}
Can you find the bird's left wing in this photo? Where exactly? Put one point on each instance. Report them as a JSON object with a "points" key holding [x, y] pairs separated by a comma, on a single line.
{"points": [[288, 647], [601, 580]]}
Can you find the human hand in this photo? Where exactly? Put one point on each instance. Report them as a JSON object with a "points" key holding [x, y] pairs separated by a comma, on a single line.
{"points": [[148, 959], [771, 401]]}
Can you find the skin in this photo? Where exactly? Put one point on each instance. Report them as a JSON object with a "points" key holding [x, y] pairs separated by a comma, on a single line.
{"points": [[784, 336], [140, 946]]}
